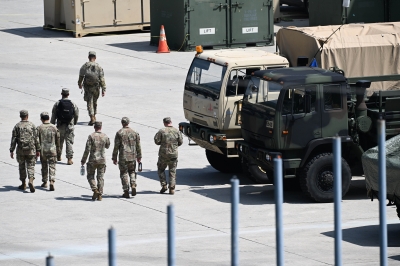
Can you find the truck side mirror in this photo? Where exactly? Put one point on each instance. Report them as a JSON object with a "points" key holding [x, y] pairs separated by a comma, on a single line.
{"points": [[238, 105], [307, 103]]}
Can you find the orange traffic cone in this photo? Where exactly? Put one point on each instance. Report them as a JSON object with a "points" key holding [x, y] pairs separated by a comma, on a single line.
{"points": [[162, 44]]}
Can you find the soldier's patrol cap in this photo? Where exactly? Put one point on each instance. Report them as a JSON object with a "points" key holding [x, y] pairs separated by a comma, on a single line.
{"points": [[65, 91], [23, 113], [167, 120], [125, 120], [42, 114], [98, 124], [92, 53]]}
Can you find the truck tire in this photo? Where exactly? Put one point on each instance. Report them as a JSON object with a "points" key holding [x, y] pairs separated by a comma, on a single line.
{"points": [[316, 179], [255, 173], [222, 163]]}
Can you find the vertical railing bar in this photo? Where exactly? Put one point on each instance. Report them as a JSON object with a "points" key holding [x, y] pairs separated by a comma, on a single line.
{"points": [[278, 210], [337, 181], [382, 191], [112, 250], [234, 221], [171, 234]]}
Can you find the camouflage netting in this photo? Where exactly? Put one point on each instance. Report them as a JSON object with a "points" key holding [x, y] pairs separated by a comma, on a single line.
{"points": [[359, 49], [371, 170]]}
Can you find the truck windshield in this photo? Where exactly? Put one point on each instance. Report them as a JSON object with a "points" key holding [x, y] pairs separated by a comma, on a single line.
{"points": [[262, 92], [205, 78]]}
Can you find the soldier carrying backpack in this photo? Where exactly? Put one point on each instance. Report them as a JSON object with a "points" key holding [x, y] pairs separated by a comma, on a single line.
{"points": [[65, 113], [91, 78], [25, 139]]}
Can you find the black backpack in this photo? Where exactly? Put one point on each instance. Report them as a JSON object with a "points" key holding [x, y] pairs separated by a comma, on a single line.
{"points": [[65, 111]]}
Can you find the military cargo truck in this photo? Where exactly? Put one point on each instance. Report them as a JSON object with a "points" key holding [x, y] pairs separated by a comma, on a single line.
{"points": [[215, 82], [314, 105]]}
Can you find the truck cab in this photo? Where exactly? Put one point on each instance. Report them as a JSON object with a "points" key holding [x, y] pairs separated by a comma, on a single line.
{"points": [[314, 106], [216, 81]]}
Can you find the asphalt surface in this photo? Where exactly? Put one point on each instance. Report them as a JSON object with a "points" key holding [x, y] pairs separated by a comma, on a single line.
{"points": [[35, 64]]}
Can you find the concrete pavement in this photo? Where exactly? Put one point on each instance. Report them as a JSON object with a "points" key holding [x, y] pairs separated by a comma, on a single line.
{"points": [[35, 64]]}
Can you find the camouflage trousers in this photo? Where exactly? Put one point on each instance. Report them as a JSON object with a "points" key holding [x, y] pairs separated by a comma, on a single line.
{"points": [[125, 169], [26, 164], [162, 165], [91, 170], [91, 96], [66, 135], [48, 167]]}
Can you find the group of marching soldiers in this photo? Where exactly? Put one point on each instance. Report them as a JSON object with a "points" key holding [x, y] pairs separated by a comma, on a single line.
{"points": [[46, 141]]}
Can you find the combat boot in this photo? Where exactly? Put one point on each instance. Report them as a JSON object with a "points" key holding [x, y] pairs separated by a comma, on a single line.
{"points": [[96, 194], [23, 186], [163, 189], [99, 197], [126, 194], [172, 190], [51, 185], [133, 190], [31, 187], [70, 161], [92, 120], [44, 185]]}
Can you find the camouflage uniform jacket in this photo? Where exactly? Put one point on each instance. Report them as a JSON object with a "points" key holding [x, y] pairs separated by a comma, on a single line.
{"points": [[169, 139], [96, 144], [54, 115], [127, 143], [95, 68], [25, 135], [49, 138]]}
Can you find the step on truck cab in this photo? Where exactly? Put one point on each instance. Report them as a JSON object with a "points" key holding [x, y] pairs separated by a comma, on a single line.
{"points": [[215, 83], [314, 106]]}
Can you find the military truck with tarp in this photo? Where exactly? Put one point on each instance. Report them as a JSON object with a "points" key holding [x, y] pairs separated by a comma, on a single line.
{"points": [[314, 106], [360, 50], [216, 81], [371, 169]]}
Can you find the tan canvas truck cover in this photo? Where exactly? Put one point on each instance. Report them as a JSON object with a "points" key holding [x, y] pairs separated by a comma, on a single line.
{"points": [[359, 49]]}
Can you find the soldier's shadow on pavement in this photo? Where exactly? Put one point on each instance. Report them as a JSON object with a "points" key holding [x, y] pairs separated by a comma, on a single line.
{"points": [[11, 188], [397, 257], [368, 236], [83, 124], [88, 197]]}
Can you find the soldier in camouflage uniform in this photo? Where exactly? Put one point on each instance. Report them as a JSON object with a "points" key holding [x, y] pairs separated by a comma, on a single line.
{"points": [[169, 138], [25, 137], [49, 138], [127, 144], [66, 129], [96, 144], [91, 77]]}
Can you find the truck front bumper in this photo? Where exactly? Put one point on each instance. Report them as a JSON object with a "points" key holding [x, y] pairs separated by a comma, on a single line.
{"points": [[264, 158], [209, 139]]}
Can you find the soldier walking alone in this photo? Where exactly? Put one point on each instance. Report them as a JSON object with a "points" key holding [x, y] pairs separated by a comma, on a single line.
{"points": [[91, 77], [169, 138], [127, 144], [96, 144], [25, 137], [66, 113], [49, 138]]}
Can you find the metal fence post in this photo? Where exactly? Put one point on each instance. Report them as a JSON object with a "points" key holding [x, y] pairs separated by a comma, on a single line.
{"points": [[112, 250], [337, 181], [50, 260], [278, 177], [171, 234], [382, 191], [234, 221]]}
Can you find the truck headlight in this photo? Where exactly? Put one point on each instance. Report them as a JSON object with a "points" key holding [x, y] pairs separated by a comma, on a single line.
{"points": [[241, 148], [267, 157], [189, 131], [212, 139]]}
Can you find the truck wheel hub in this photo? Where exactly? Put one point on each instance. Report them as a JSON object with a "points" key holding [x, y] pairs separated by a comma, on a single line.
{"points": [[325, 181]]}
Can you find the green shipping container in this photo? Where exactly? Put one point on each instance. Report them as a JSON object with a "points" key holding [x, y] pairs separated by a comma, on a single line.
{"points": [[331, 12], [212, 23]]}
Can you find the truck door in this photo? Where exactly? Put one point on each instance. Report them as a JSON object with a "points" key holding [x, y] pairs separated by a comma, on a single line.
{"points": [[298, 126], [334, 111], [236, 86]]}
